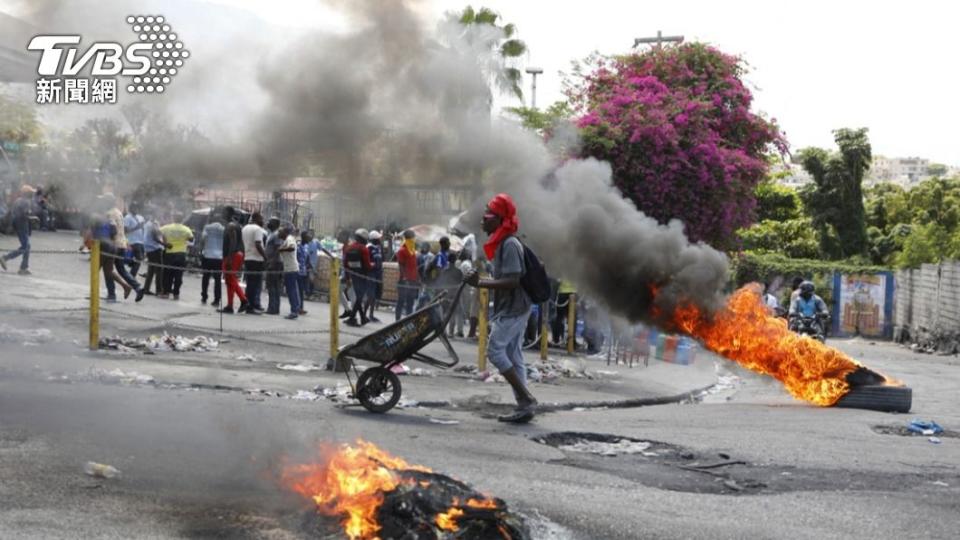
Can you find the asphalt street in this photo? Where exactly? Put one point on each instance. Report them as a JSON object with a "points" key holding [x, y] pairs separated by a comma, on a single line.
{"points": [[199, 436]]}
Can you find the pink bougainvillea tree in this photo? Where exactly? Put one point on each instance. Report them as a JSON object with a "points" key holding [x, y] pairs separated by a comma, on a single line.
{"points": [[676, 126]]}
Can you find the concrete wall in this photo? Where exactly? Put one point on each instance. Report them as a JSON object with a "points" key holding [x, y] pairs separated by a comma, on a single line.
{"points": [[928, 306]]}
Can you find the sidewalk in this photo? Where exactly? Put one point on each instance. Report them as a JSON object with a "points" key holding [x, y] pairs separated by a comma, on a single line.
{"points": [[59, 288]]}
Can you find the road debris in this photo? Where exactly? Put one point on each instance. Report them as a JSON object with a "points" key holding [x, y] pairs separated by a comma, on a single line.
{"points": [[28, 336], [161, 343], [610, 449], [924, 427], [935, 440], [444, 422], [302, 368], [306, 395], [247, 358], [100, 470]]}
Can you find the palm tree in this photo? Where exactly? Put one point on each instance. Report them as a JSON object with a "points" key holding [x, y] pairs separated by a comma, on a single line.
{"points": [[507, 47]]}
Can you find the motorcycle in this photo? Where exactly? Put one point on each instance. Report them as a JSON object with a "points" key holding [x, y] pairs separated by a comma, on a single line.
{"points": [[810, 326]]}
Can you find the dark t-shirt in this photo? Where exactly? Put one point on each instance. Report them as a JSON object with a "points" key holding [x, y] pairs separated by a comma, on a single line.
{"points": [[508, 261], [232, 239], [272, 250]]}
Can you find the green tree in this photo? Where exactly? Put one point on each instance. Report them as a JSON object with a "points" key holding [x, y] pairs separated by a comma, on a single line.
{"points": [[936, 169], [925, 244], [776, 202], [795, 238], [542, 121], [504, 42], [835, 199]]}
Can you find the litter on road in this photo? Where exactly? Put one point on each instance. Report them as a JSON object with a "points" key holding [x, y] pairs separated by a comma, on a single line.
{"points": [[924, 427], [302, 368], [161, 343], [100, 470]]}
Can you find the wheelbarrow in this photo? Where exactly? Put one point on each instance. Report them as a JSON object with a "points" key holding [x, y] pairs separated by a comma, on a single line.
{"points": [[378, 388]]}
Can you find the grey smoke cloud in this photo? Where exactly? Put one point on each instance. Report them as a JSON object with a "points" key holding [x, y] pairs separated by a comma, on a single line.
{"points": [[392, 102]]}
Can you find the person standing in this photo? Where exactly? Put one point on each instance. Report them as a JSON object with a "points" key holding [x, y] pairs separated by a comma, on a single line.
{"points": [[511, 303], [135, 227], [253, 239], [356, 262], [121, 245], [303, 268], [21, 212], [564, 293], [424, 263], [313, 252], [153, 246], [287, 252], [273, 265], [101, 229], [375, 281], [177, 236], [232, 251], [211, 252], [408, 286]]}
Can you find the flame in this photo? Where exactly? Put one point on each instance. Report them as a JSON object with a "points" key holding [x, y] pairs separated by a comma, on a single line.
{"points": [[349, 481], [488, 504], [448, 520], [744, 331]]}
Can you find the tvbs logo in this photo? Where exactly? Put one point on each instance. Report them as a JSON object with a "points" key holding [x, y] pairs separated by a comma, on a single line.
{"points": [[150, 63]]}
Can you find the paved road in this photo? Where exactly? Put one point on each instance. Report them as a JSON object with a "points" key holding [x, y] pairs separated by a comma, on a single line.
{"points": [[200, 462]]}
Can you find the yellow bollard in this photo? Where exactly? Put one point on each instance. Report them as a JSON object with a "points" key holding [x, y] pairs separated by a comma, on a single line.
{"points": [[95, 296], [543, 330], [572, 324], [334, 307], [483, 297]]}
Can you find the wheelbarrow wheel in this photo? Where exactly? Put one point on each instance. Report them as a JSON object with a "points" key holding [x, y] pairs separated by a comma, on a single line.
{"points": [[378, 389]]}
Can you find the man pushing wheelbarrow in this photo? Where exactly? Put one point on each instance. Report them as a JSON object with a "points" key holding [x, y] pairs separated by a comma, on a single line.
{"points": [[516, 274]]}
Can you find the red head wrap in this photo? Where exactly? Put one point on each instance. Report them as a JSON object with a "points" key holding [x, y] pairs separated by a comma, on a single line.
{"points": [[503, 206]]}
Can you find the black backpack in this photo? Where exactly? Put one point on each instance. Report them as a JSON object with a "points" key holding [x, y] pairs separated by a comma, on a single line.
{"points": [[534, 280]]}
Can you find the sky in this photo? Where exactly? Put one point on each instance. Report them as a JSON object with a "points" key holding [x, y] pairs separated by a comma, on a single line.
{"points": [[814, 66]]}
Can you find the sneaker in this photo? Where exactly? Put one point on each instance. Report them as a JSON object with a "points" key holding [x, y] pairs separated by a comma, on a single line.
{"points": [[228, 310], [291, 316], [253, 312], [215, 303], [163, 296], [243, 308], [149, 293], [111, 300], [345, 315], [373, 319], [519, 416], [176, 297], [272, 312], [203, 300], [140, 294], [351, 322], [24, 272], [302, 312]]}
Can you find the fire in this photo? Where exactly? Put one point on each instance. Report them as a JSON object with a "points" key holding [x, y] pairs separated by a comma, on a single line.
{"points": [[349, 481], [448, 520], [743, 331]]}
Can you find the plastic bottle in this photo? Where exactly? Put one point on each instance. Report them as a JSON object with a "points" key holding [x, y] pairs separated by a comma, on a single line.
{"points": [[101, 470]]}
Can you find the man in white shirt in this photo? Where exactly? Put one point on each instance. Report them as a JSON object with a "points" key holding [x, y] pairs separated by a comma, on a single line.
{"points": [[133, 224], [254, 237]]}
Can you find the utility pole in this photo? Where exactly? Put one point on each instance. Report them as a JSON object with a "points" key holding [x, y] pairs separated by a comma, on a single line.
{"points": [[658, 41], [533, 86]]}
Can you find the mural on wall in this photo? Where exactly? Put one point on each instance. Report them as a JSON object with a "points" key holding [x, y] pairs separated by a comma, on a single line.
{"points": [[862, 304]]}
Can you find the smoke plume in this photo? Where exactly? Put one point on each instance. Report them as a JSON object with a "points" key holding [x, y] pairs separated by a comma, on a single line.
{"points": [[392, 102]]}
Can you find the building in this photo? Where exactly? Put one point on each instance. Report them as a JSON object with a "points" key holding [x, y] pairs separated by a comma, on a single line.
{"points": [[905, 172]]}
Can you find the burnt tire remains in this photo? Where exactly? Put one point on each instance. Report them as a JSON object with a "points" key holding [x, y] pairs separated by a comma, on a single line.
{"points": [[878, 398]]}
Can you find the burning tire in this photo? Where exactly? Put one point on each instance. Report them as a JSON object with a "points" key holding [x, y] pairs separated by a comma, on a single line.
{"points": [[378, 389], [878, 398]]}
